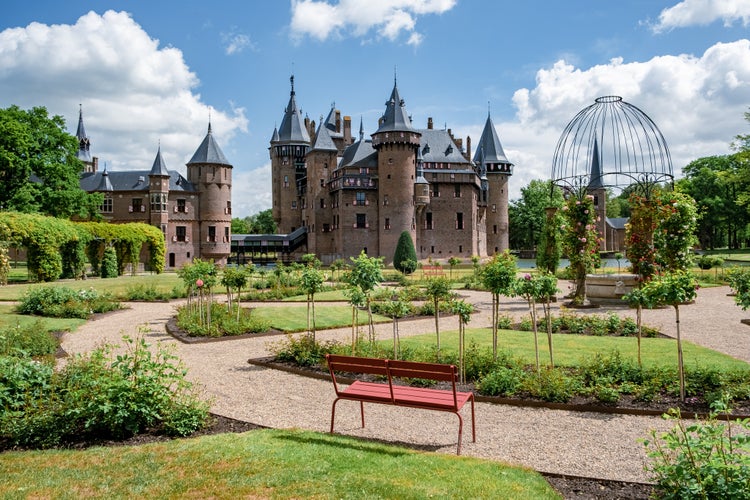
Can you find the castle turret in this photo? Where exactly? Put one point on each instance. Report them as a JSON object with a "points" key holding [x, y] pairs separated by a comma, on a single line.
{"points": [[321, 161], [158, 193], [396, 142], [289, 146], [90, 165], [211, 173], [596, 189], [493, 165]]}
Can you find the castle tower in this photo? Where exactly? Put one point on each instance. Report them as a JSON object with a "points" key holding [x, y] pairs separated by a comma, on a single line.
{"points": [[84, 144], [158, 193], [321, 161], [211, 173], [597, 190], [289, 146], [492, 163], [396, 143]]}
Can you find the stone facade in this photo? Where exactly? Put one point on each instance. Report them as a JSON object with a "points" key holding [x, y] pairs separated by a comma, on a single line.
{"points": [[357, 195]]}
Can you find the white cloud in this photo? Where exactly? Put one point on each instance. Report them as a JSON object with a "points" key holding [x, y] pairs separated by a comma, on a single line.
{"points": [[698, 102], [251, 191], [389, 18], [236, 43], [135, 94], [702, 12]]}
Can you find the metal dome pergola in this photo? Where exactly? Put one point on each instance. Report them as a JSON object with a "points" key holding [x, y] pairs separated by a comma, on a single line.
{"points": [[611, 144]]}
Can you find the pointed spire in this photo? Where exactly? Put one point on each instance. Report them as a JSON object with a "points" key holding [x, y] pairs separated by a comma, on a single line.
{"points": [[595, 176], [159, 167], [209, 152], [104, 183], [84, 145], [395, 118], [292, 127], [361, 129], [275, 136], [489, 150]]}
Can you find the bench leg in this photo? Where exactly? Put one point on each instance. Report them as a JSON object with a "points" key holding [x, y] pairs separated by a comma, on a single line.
{"points": [[333, 412], [473, 423], [362, 412], [460, 432]]}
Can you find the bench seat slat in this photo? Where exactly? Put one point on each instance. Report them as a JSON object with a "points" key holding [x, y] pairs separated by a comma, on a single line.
{"points": [[434, 398], [367, 390]]}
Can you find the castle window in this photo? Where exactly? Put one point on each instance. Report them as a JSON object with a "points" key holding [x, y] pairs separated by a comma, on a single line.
{"points": [[460, 248], [137, 205], [494, 229], [226, 234], [211, 234], [294, 205], [322, 203], [181, 233], [181, 205], [457, 190], [428, 220], [228, 210], [385, 200], [361, 221], [387, 223], [360, 200], [286, 181], [435, 190], [596, 200], [106, 206], [494, 208], [158, 202], [459, 220]]}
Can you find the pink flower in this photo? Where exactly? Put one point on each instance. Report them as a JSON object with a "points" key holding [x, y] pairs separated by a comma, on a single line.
{"points": [[199, 282], [527, 277], [583, 240], [586, 211]]}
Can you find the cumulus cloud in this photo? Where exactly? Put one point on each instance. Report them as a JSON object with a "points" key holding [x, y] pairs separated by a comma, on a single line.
{"points": [[698, 102], [702, 12], [388, 18], [134, 93]]}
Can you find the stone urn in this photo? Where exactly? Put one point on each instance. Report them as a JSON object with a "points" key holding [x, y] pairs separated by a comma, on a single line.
{"points": [[609, 288]]}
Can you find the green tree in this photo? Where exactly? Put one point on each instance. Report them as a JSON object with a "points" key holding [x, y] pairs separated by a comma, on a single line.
{"points": [[39, 170], [109, 263], [550, 246], [498, 276], [580, 240], [240, 226], [311, 282], [527, 215], [438, 289], [405, 256], [262, 223], [396, 308], [366, 273], [235, 279], [453, 262], [538, 288], [463, 310]]}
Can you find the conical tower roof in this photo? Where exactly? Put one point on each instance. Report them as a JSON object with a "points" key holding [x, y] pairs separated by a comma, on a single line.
{"points": [[595, 178], [83, 153], [292, 129], [395, 118], [104, 183], [159, 167], [209, 152], [489, 149], [323, 141]]}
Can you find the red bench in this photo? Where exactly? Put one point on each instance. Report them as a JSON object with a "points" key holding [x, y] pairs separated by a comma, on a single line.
{"points": [[430, 271], [391, 393]]}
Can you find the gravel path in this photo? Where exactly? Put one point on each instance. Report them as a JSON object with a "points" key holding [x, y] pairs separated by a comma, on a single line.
{"points": [[555, 441]]}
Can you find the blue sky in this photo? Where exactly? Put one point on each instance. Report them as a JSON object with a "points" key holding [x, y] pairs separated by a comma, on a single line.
{"points": [[150, 73]]}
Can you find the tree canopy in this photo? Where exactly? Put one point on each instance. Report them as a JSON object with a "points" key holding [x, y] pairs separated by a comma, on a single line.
{"points": [[260, 223], [39, 170]]}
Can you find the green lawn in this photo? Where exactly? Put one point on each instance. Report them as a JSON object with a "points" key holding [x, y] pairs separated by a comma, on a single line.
{"points": [[116, 286], [262, 464], [10, 319], [293, 318], [573, 350]]}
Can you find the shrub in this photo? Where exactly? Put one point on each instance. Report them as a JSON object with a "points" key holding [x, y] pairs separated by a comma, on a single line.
{"points": [[32, 340], [223, 323], [64, 302], [109, 263], [148, 293], [551, 385], [303, 350], [101, 396], [606, 394], [704, 459], [503, 381], [22, 379], [504, 322], [405, 256]]}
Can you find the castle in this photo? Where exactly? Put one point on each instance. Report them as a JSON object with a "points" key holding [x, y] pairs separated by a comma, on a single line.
{"points": [[352, 194], [194, 213]]}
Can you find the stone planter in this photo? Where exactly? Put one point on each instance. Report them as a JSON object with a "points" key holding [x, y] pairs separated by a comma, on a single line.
{"points": [[609, 288]]}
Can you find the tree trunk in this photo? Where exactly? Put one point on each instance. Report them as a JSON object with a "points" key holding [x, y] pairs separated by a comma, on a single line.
{"points": [[638, 316], [681, 366], [436, 303], [548, 318], [532, 309]]}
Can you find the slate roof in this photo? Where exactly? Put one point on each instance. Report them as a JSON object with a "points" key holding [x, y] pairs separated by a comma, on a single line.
{"points": [[323, 141], [359, 154], [104, 182], [209, 152], [437, 146], [292, 129], [330, 122], [131, 180], [489, 149], [83, 153], [395, 118], [617, 222], [159, 167]]}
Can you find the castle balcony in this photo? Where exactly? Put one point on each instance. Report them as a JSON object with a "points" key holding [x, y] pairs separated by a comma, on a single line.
{"points": [[354, 181]]}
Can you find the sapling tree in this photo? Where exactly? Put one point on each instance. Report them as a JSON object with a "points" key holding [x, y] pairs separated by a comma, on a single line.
{"points": [[637, 299], [673, 289], [311, 282], [438, 289], [396, 309], [453, 262], [200, 277], [538, 288], [235, 279], [498, 276], [366, 273], [463, 310], [357, 299], [739, 282]]}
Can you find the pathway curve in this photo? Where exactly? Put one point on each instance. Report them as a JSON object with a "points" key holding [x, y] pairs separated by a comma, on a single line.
{"points": [[555, 441]]}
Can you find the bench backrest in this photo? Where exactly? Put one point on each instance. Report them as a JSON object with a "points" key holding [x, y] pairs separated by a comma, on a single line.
{"points": [[429, 371], [353, 364]]}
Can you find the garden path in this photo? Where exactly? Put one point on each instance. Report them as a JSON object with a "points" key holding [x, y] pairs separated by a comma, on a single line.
{"points": [[554, 441]]}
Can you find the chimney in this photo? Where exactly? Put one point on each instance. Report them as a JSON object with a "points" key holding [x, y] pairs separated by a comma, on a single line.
{"points": [[347, 130], [460, 143], [468, 147], [429, 123], [338, 121], [95, 162]]}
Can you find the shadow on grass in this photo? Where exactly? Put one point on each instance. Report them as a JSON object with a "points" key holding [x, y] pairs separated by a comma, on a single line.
{"points": [[376, 446]]}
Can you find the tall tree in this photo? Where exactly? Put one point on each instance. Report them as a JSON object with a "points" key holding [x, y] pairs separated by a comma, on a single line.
{"points": [[39, 170], [527, 215]]}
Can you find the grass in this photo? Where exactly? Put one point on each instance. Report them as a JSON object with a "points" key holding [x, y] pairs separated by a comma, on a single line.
{"points": [[116, 286], [262, 464], [573, 350], [294, 318], [9, 318]]}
